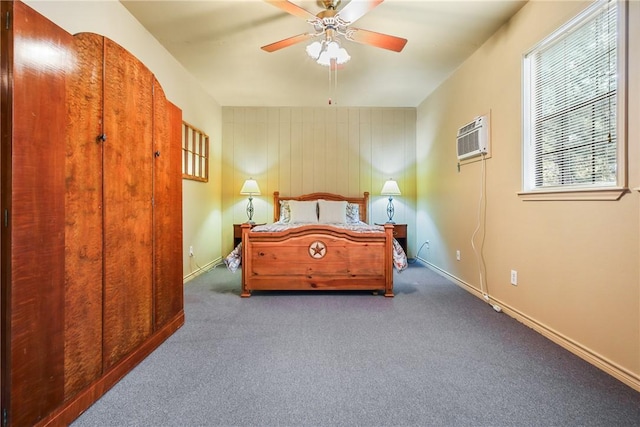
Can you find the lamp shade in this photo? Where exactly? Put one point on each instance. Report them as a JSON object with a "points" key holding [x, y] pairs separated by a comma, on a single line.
{"points": [[390, 188], [250, 187]]}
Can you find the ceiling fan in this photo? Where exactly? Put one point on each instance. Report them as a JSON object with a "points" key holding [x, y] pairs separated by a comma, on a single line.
{"points": [[332, 23]]}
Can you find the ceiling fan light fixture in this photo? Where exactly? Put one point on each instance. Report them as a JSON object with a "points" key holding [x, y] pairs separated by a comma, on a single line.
{"points": [[332, 49], [314, 49], [328, 51]]}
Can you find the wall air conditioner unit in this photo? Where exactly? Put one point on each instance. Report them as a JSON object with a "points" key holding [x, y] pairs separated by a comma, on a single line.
{"points": [[473, 138]]}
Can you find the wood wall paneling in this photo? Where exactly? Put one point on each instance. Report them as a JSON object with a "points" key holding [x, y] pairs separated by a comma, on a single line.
{"points": [[331, 159], [273, 152], [344, 150], [283, 183], [342, 154], [297, 170], [365, 146], [318, 149], [353, 175], [308, 150]]}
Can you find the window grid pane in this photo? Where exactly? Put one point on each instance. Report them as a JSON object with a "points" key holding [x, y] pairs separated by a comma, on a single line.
{"points": [[195, 154]]}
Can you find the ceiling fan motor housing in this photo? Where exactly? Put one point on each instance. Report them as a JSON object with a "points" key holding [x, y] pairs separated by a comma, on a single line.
{"points": [[331, 4], [329, 20]]}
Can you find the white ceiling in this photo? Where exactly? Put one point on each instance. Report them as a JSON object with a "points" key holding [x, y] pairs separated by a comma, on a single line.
{"points": [[219, 42]]}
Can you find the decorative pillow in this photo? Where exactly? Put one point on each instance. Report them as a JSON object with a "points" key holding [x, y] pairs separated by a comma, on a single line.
{"points": [[332, 212], [353, 213], [303, 211], [234, 259], [399, 257], [285, 211]]}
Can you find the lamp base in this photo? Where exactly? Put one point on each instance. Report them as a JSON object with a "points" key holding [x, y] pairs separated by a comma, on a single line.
{"points": [[250, 211], [390, 211]]}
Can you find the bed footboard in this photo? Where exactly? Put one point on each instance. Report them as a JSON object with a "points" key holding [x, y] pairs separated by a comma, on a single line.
{"points": [[317, 257]]}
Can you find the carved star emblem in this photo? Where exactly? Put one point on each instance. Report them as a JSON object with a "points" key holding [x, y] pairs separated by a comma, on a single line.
{"points": [[317, 249]]}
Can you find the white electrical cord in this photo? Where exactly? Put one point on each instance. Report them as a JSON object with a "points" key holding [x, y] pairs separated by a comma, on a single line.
{"points": [[417, 255], [483, 288], [485, 292]]}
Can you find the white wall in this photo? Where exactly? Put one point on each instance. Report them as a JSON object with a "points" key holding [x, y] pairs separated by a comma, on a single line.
{"points": [[201, 201]]}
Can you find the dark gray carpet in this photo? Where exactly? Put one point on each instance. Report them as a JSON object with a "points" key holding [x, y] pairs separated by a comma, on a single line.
{"points": [[432, 356]]}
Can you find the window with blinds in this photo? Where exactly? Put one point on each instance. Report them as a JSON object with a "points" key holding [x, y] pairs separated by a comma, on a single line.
{"points": [[571, 105]]}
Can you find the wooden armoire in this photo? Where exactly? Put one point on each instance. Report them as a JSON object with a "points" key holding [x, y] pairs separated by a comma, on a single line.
{"points": [[91, 225]]}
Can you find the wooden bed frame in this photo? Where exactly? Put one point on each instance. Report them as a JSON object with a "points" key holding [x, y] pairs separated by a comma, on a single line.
{"points": [[317, 256]]}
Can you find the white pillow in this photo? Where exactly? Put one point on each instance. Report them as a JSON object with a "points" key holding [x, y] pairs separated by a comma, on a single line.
{"points": [[332, 212], [303, 211]]}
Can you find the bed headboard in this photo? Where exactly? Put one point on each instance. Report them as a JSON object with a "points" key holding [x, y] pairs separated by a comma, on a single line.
{"points": [[363, 202]]}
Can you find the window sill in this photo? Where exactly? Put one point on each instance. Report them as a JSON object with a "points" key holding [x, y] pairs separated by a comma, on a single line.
{"points": [[608, 194]]}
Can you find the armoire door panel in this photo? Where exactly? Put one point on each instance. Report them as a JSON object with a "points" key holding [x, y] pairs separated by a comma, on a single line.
{"points": [[167, 208], [37, 223], [83, 233], [128, 160]]}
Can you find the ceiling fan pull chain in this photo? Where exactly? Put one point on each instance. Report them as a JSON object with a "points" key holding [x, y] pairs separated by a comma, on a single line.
{"points": [[335, 79], [330, 91]]}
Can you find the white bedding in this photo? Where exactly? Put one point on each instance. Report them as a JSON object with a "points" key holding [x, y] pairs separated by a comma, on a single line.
{"points": [[361, 227]]}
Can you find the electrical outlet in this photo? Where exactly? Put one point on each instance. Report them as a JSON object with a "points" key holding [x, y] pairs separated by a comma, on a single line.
{"points": [[426, 244], [190, 250], [458, 255], [514, 278]]}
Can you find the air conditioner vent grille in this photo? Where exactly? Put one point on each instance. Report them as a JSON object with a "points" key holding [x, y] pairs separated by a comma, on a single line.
{"points": [[472, 139], [467, 128]]}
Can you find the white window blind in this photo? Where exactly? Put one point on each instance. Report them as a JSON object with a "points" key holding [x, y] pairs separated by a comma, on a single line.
{"points": [[571, 104]]}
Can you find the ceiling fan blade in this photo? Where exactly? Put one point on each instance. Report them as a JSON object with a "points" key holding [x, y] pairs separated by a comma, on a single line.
{"points": [[372, 38], [356, 9], [293, 9], [288, 42]]}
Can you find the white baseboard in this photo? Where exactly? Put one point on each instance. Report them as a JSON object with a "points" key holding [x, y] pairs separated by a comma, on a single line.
{"points": [[195, 273], [592, 357]]}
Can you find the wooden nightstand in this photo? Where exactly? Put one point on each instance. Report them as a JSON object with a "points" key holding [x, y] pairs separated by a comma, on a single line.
{"points": [[237, 233], [400, 234]]}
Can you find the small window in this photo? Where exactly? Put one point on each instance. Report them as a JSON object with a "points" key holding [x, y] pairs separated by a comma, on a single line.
{"points": [[195, 153], [572, 108]]}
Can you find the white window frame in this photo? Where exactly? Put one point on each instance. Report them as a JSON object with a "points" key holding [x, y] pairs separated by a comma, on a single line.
{"points": [[585, 192]]}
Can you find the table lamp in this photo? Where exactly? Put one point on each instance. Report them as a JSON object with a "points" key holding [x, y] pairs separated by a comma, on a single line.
{"points": [[390, 188], [250, 187]]}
